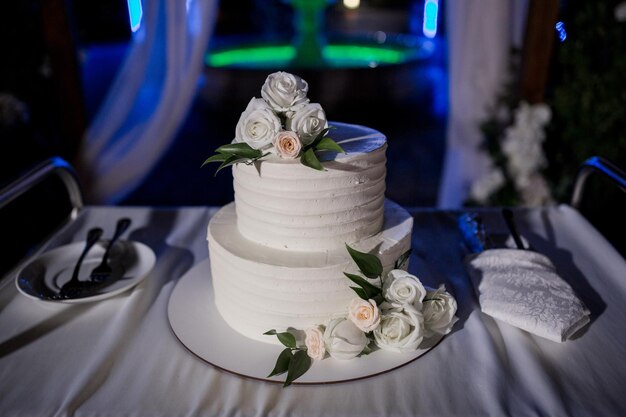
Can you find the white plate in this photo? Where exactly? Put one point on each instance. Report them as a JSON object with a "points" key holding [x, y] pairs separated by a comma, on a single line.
{"points": [[200, 328], [43, 277]]}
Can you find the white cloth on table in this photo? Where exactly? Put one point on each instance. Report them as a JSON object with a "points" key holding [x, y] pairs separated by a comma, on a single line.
{"points": [[522, 288], [120, 356]]}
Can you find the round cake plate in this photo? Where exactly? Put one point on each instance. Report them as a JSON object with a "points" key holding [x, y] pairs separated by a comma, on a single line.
{"points": [[200, 328]]}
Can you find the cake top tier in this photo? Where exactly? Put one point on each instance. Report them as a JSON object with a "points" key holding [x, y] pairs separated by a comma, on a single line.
{"points": [[284, 204]]}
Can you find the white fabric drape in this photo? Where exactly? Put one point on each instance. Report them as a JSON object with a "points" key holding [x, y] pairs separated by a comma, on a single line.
{"points": [[480, 35], [149, 98]]}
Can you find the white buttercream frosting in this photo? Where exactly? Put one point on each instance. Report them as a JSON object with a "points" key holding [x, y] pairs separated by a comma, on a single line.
{"points": [[258, 288], [284, 204], [278, 253]]}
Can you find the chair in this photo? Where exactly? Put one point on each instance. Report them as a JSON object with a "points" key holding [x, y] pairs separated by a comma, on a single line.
{"points": [[603, 206], [35, 206]]}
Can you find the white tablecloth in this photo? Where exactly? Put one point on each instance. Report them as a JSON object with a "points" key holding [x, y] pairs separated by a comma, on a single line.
{"points": [[120, 357]]}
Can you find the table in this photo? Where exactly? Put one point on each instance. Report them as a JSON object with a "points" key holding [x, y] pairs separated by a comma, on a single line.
{"points": [[120, 356]]}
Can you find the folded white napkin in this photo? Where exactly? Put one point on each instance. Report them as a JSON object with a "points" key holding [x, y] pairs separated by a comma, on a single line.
{"points": [[522, 288]]}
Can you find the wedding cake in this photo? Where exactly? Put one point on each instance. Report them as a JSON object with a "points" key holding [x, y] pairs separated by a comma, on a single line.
{"points": [[278, 252], [311, 255]]}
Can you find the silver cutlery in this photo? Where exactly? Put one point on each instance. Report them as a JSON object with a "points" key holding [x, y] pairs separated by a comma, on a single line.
{"points": [[74, 286], [510, 222], [103, 271]]}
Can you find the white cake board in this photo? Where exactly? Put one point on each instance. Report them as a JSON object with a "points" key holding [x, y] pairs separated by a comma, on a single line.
{"points": [[200, 328]]}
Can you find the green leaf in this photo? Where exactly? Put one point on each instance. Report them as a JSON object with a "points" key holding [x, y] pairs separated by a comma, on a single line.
{"points": [[282, 363], [319, 137], [299, 364], [285, 338], [310, 159], [370, 290], [220, 157], [360, 292], [402, 259], [369, 264], [366, 350], [242, 150], [329, 145], [233, 159]]}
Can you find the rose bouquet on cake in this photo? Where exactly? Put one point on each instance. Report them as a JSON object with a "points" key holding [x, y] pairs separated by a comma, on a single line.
{"points": [[283, 122], [396, 315]]}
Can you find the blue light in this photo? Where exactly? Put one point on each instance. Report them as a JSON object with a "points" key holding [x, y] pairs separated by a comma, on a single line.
{"points": [[135, 13], [560, 28], [431, 8]]}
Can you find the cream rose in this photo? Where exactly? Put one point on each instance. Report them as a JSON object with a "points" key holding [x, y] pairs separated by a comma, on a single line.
{"points": [[439, 309], [343, 340], [287, 144], [401, 288], [364, 314], [258, 125], [307, 121], [401, 330], [284, 91], [314, 341]]}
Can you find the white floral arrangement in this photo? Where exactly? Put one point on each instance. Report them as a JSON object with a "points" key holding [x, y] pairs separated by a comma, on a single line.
{"points": [[395, 316], [283, 122], [523, 159]]}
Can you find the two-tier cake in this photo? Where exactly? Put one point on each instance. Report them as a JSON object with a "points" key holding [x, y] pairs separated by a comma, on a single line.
{"points": [[310, 255], [278, 252]]}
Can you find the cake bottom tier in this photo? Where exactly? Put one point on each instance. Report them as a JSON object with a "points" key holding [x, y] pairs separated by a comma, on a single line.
{"points": [[258, 288]]}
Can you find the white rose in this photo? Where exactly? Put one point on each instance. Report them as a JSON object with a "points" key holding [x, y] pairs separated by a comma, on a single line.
{"points": [[439, 309], [537, 192], [287, 144], [307, 121], [401, 330], [343, 339], [364, 314], [401, 288], [522, 146], [284, 91], [532, 115], [314, 341], [258, 125], [486, 185], [541, 113]]}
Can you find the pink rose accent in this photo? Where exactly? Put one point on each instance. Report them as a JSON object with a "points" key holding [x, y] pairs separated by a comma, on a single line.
{"points": [[364, 314], [287, 144], [314, 341]]}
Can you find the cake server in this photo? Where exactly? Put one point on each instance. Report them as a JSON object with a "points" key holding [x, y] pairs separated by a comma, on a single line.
{"points": [[510, 223]]}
